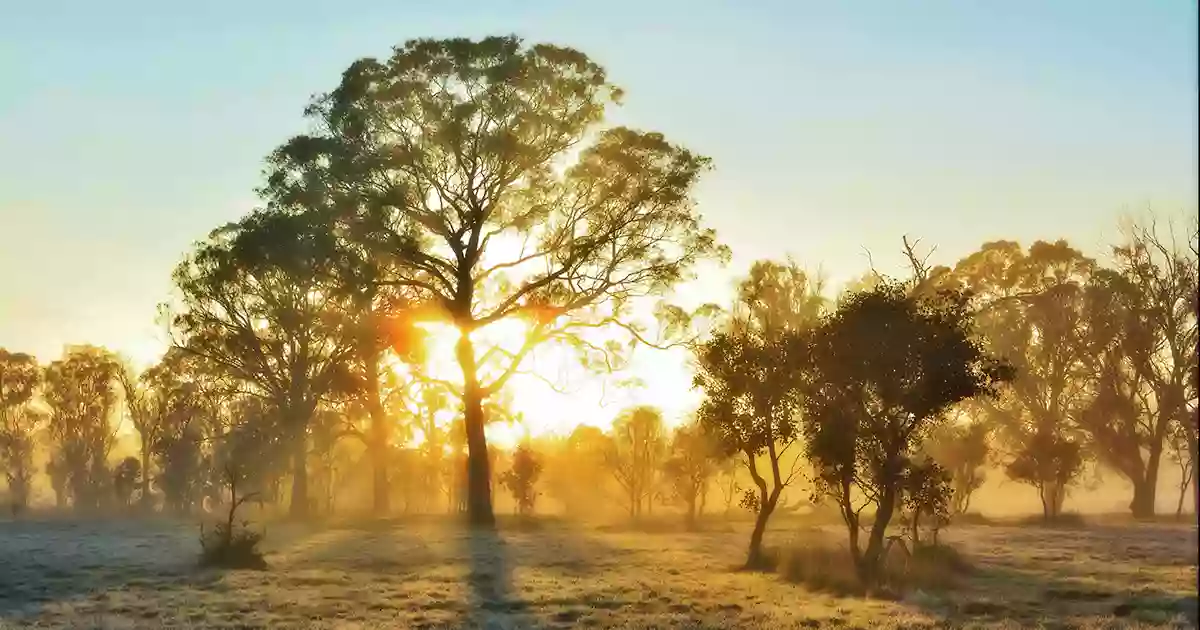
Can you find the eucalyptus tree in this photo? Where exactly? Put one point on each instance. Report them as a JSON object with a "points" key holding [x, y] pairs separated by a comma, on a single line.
{"points": [[254, 302], [480, 175]]}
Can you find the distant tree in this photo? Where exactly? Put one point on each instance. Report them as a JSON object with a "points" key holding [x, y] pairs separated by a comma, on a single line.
{"points": [[82, 396], [1181, 454], [1049, 463], [1142, 351], [126, 475], [20, 377], [635, 454], [576, 475], [255, 444], [253, 303], [962, 450], [750, 374], [438, 155], [883, 369], [152, 398], [1032, 310], [927, 493], [522, 478], [690, 466]]}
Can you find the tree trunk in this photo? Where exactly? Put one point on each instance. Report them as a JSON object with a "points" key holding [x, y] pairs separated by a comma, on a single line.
{"points": [[754, 557], [1142, 505], [1145, 489], [479, 486], [299, 504], [691, 513], [145, 500], [869, 569], [1184, 483], [380, 435]]}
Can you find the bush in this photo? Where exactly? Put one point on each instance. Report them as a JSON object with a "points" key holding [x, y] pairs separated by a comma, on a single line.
{"points": [[827, 567], [971, 518], [1066, 520], [820, 567], [229, 547]]}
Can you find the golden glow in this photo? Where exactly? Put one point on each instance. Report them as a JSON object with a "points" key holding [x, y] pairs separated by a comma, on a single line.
{"points": [[584, 397]]}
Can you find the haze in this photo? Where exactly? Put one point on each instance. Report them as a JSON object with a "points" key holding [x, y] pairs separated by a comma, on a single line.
{"points": [[897, 293]]}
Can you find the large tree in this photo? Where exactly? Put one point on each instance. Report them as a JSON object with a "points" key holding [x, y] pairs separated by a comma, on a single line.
{"points": [[1142, 352], [1031, 310], [480, 171], [882, 371], [81, 392], [255, 304], [20, 377], [750, 374]]}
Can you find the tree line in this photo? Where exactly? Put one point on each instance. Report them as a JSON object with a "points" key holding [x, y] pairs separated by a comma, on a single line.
{"points": [[473, 182]]}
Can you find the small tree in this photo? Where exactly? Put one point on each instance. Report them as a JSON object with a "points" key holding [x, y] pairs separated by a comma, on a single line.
{"points": [[962, 450], [126, 475], [883, 369], [927, 493], [228, 545], [20, 377], [1048, 462], [690, 466], [750, 374], [635, 454], [522, 477]]}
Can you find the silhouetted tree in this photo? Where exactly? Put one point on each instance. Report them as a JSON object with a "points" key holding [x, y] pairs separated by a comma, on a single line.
{"points": [[253, 304], [926, 493], [962, 450], [750, 373], [20, 377], [690, 466], [126, 475], [635, 453], [439, 155], [81, 393], [1142, 349], [1032, 310], [882, 370], [522, 478]]}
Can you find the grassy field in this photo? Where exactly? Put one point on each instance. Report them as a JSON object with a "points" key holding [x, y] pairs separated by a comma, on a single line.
{"points": [[432, 574]]}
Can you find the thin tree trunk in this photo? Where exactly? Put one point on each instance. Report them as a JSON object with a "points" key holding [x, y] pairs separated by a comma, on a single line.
{"points": [[871, 562], [380, 435], [1183, 491], [145, 499], [479, 490], [299, 504]]}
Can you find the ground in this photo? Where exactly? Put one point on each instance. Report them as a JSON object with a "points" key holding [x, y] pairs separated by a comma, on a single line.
{"points": [[432, 574]]}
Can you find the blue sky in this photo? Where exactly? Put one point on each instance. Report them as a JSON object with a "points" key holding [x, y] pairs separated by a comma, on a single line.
{"points": [[131, 128]]}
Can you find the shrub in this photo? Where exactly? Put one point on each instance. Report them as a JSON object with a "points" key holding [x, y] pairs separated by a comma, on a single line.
{"points": [[1067, 520], [229, 547], [826, 567]]}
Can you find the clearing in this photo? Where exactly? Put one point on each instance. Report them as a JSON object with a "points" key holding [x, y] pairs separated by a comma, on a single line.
{"points": [[429, 573]]}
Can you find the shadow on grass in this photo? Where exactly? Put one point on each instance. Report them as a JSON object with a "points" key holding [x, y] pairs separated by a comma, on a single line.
{"points": [[78, 563], [996, 593], [491, 589]]}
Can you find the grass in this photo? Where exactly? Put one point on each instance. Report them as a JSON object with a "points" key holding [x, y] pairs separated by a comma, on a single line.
{"points": [[427, 573]]}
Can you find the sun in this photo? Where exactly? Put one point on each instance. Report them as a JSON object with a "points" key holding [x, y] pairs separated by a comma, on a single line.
{"points": [[553, 392]]}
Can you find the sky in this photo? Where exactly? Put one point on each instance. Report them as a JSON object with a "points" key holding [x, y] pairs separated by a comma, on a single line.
{"points": [[131, 128]]}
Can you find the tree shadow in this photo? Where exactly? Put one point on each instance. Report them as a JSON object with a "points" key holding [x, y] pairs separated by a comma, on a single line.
{"points": [[998, 592], [493, 595]]}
